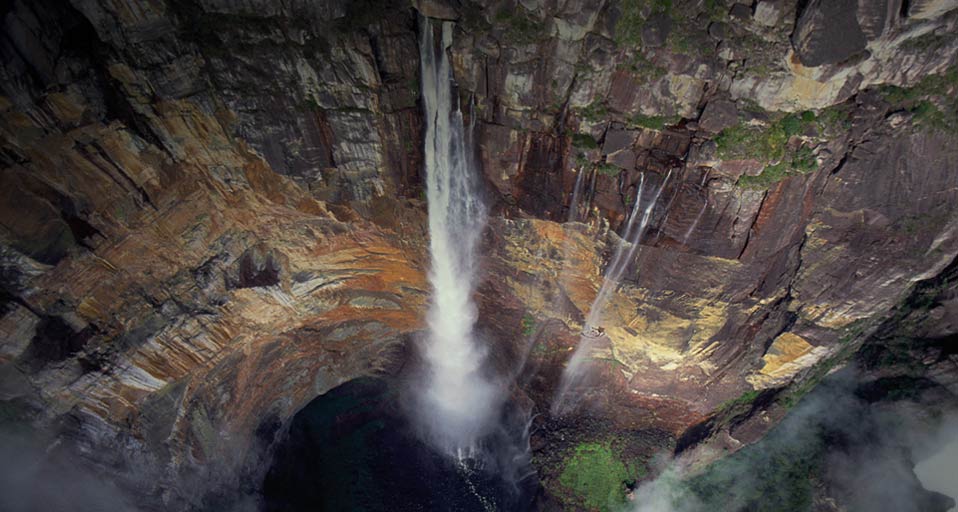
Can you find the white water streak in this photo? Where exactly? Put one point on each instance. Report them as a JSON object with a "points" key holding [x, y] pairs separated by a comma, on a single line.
{"points": [[576, 192], [695, 223], [624, 254], [456, 405]]}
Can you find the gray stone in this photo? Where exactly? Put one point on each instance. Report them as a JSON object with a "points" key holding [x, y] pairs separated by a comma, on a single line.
{"points": [[718, 115], [624, 159], [828, 32], [616, 140], [740, 11], [718, 30], [874, 15], [656, 30], [768, 12], [928, 9]]}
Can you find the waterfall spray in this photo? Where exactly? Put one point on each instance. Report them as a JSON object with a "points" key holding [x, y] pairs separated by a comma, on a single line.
{"points": [[624, 253], [456, 405]]}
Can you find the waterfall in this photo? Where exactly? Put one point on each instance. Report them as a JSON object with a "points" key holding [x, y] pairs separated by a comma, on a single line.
{"points": [[695, 223], [625, 251], [456, 402], [576, 191]]}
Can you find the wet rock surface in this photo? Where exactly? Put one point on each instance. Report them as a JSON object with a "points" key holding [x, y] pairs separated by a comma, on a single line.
{"points": [[211, 212]]}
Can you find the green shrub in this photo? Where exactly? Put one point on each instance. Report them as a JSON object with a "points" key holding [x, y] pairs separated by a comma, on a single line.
{"points": [[653, 122], [528, 324], [609, 169], [595, 111], [584, 140], [597, 476]]}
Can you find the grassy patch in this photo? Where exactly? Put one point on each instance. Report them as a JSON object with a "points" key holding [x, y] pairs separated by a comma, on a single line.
{"points": [[743, 141], [584, 141], [643, 68], [769, 144], [653, 122], [777, 479], [628, 28], [528, 324], [933, 101], [598, 477], [609, 169], [595, 111], [745, 398], [800, 161]]}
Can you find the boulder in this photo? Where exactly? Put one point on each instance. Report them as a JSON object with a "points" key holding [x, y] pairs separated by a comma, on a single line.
{"points": [[828, 32], [768, 12], [718, 115], [740, 11], [656, 30], [718, 30], [617, 140]]}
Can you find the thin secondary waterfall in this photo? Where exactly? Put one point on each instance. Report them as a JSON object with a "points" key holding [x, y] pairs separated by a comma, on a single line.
{"points": [[695, 223], [576, 191], [625, 250], [456, 401]]}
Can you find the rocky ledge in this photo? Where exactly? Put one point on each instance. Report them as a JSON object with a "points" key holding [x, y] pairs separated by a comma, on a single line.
{"points": [[213, 213]]}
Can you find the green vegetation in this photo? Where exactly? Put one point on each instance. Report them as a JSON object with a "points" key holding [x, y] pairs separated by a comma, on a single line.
{"points": [[644, 68], [581, 161], [770, 144], [778, 471], [743, 141], [653, 122], [800, 161], [796, 392], [628, 28], [584, 141], [933, 101], [309, 105], [609, 169], [597, 476], [926, 43], [716, 10], [595, 111], [745, 399], [528, 324]]}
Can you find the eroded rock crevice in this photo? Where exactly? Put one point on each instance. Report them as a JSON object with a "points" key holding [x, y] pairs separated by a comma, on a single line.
{"points": [[212, 213]]}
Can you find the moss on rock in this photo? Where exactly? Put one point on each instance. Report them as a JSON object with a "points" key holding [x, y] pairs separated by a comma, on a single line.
{"points": [[597, 477]]}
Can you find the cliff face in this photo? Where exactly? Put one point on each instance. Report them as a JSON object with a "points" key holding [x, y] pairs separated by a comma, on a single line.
{"points": [[212, 211]]}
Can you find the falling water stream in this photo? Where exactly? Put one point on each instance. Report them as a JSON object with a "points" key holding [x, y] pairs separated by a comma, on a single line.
{"points": [[625, 250], [576, 192], [457, 403]]}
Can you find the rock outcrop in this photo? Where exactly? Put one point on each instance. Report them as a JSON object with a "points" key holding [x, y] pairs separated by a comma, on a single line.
{"points": [[212, 211]]}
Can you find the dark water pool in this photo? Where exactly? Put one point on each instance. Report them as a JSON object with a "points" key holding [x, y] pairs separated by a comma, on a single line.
{"points": [[352, 449]]}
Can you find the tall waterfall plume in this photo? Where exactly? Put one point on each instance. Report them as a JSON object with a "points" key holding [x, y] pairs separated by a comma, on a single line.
{"points": [[637, 222], [455, 403]]}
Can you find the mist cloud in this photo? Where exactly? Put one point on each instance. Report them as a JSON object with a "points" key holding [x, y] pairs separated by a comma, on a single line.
{"points": [[859, 453]]}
